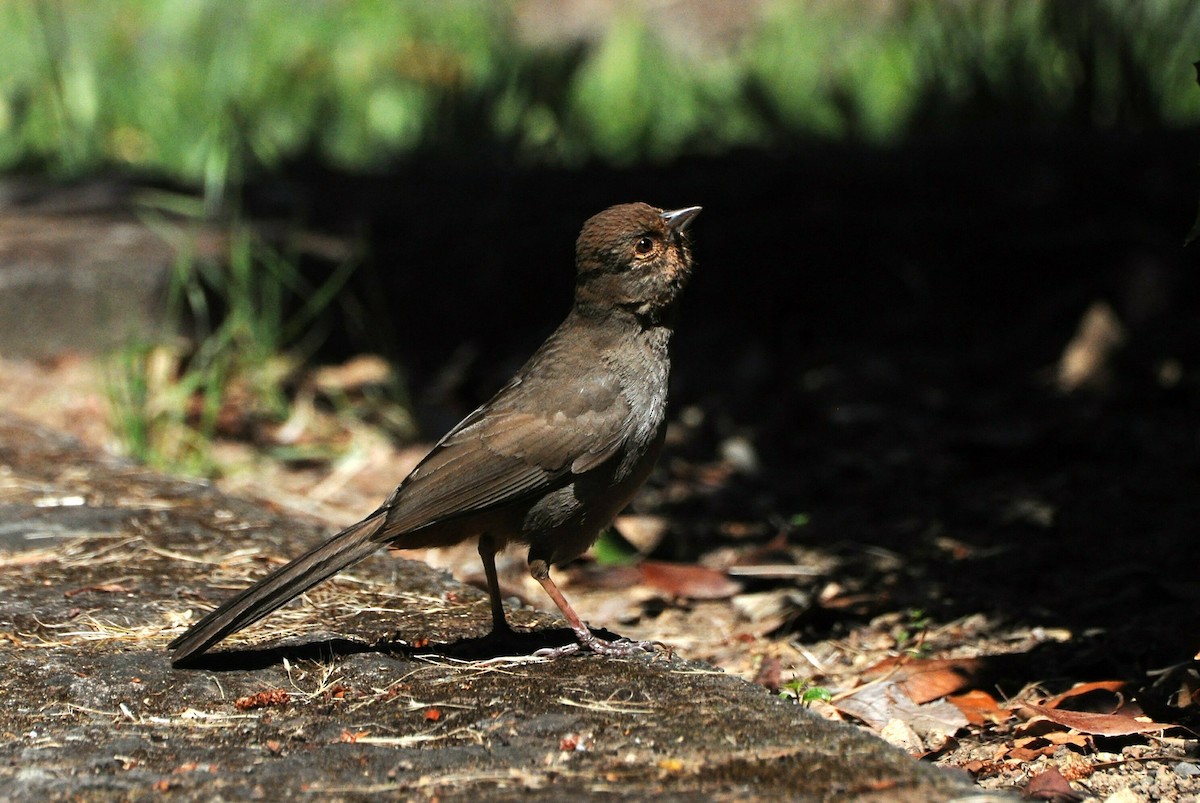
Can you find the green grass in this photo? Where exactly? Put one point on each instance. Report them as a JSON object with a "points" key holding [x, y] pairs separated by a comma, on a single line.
{"points": [[253, 321], [208, 92]]}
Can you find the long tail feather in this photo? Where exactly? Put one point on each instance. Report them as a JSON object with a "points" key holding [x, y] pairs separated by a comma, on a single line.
{"points": [[349, 546]]}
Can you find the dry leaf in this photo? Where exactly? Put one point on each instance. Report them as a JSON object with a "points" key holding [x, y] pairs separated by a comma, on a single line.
{"points": [[1036, 726], [878, 703], [1042, 732], [1097, 724], [924, 680], [1104, 689], [773, 606], [1050, 785], [687, 580], [1029, 748], [979, 707], [1058, 738], [770, 674], [1028, 753], [898, 732]]}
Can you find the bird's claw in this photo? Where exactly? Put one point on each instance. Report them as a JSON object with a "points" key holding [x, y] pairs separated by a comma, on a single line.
{"points": [[621, 647]]}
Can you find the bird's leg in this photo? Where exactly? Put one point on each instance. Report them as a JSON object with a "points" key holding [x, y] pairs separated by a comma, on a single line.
{"points": [[487, 553], [540, 571]]}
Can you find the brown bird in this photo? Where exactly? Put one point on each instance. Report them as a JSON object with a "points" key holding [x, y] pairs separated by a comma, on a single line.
{"points": [[552, 458]]}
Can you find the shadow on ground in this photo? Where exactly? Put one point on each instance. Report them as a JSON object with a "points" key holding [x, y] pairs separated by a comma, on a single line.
{"points": [[882, 327]]}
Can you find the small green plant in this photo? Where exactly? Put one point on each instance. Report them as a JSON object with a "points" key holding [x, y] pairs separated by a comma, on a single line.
{"points": [[611, 549], [910, 636], [150, 402], [251, 317], [804, 691], [798, 520]]}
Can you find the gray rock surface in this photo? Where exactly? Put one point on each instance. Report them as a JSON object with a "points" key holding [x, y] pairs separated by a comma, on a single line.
{"points": [[374, 684], [79, 269]]}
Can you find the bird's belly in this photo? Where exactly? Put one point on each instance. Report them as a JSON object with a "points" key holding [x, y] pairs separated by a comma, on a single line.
{"points": [[562, 524]]}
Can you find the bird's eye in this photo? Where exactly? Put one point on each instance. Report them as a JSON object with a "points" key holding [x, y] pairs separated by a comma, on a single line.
{"points": [[643, 246]]}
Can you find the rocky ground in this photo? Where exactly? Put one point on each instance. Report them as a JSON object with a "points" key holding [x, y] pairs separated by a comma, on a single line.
{"points": [[377, 684]]}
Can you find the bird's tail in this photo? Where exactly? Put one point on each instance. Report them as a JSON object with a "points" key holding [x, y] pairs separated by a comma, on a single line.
{"points": [[275, 590]]}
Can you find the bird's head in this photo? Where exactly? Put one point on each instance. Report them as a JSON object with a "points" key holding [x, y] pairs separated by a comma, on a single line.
{"points": [[634, 257]]}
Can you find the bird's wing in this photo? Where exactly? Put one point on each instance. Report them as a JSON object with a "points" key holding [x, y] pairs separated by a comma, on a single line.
{"points": [[502, 452]]}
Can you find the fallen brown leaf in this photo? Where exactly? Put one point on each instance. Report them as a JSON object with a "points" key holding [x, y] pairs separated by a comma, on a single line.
{"points": [[687, 580], [1045, 743], [924, 680], [1058, 738], [880, 702], [1096, 724], [1050, 785], [1036, 726], [1103, 690], [1029, 753], [979, 707], [770, 674]]}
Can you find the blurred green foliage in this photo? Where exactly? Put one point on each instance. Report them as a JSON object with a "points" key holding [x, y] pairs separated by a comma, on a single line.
{"points": [[206, 91]]}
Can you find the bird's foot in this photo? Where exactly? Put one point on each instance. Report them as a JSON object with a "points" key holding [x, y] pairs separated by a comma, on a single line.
{"points": [[621, 648]]}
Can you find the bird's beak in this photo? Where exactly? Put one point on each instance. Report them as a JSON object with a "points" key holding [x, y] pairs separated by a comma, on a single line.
{"points": [[678, 220]]}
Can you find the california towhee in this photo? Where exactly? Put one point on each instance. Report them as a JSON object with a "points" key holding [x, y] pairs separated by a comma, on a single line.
{"points": [[552, 458]]}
